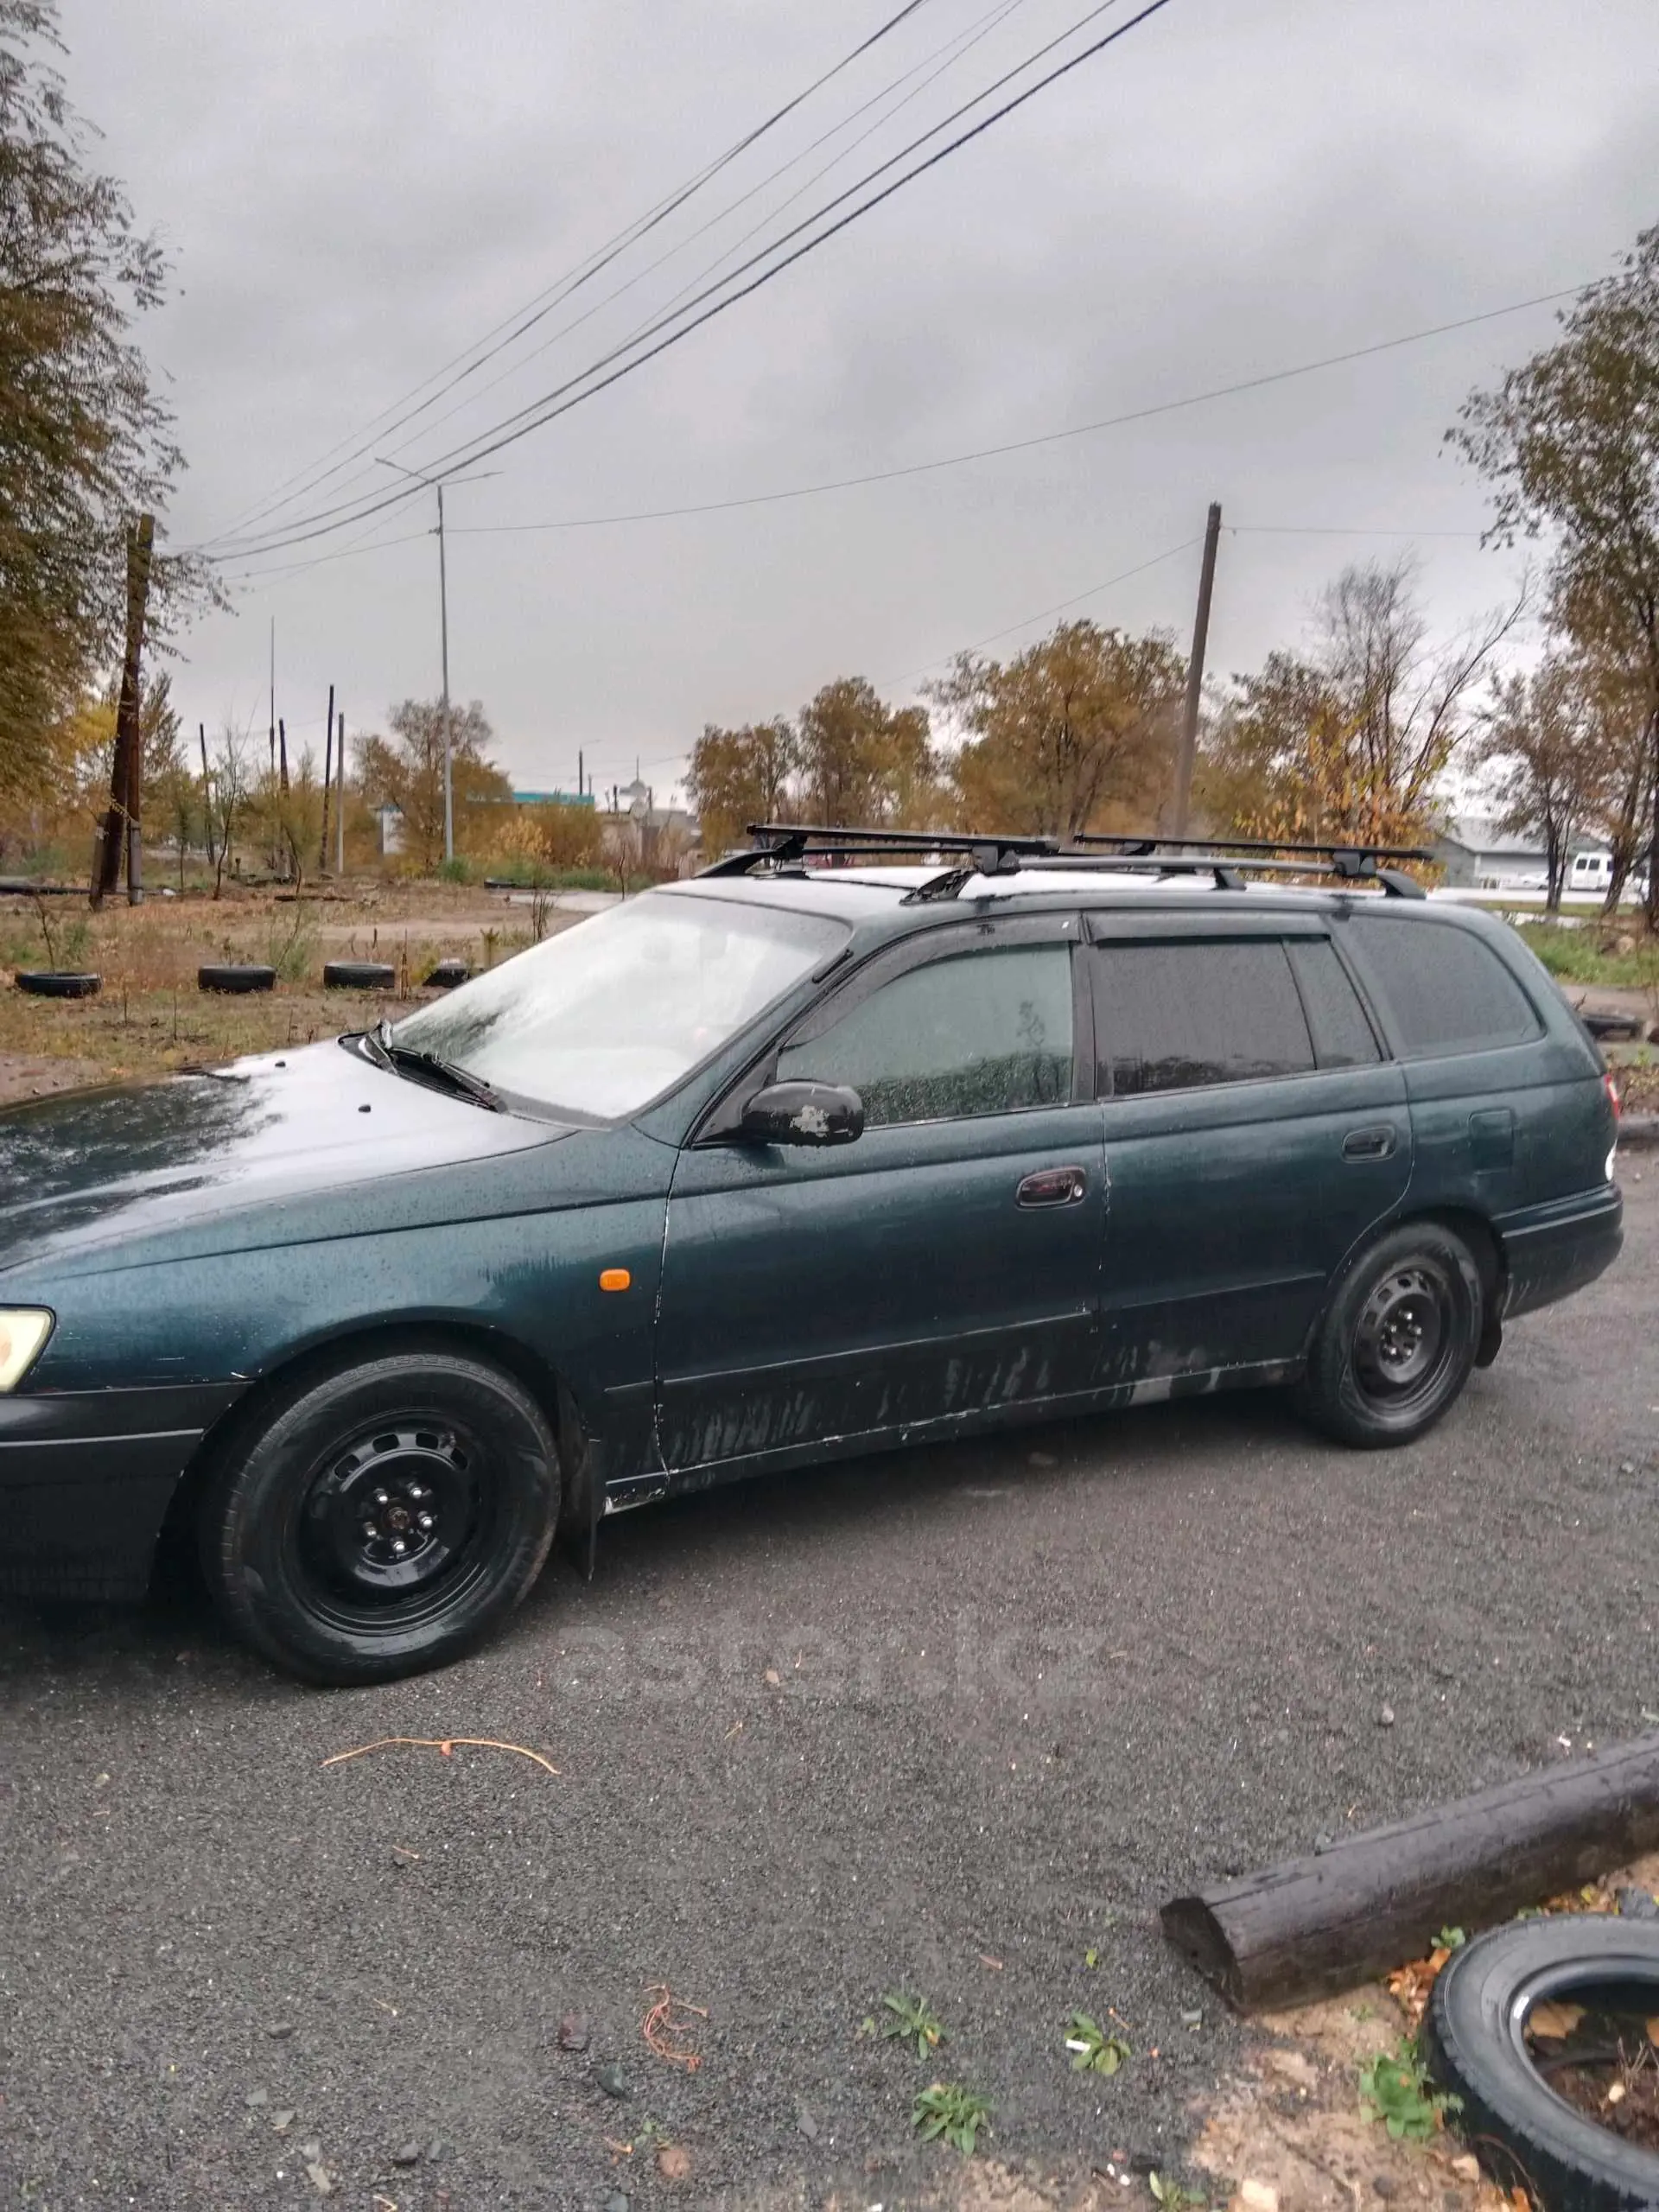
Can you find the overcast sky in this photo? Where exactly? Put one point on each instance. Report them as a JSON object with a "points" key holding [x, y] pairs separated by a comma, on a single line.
{"points": [[354, 194]]}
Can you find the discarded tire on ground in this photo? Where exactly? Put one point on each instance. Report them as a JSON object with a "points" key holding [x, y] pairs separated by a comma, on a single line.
{"points": [[358, 975], [234, 978], [448, 974], [58, 983], [1475, 2038]]}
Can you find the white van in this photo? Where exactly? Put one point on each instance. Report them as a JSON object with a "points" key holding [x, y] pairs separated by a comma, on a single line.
{"points": [[1590, 872]]}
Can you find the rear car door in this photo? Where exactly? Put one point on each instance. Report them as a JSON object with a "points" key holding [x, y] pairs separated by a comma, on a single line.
{"points": [[942, 1269], [1254, 1132]]}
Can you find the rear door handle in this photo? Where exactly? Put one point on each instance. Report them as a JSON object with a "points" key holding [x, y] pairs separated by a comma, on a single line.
{"points": [[1369, 1144], [1052, 1186]]}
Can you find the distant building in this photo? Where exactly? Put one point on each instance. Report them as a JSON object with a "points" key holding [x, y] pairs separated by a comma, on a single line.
{"points": [[553, 799], [389, 820], [1478, 856]]}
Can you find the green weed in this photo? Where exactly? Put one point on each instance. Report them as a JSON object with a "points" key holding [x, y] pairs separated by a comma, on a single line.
{"points": [[1094, 2051], [1395, 2088], [912, 2019], [949, 2114]]}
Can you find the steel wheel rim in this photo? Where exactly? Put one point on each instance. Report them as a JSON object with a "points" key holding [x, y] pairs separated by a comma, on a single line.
{"points": [[394, 1524], [1404, 1337]]}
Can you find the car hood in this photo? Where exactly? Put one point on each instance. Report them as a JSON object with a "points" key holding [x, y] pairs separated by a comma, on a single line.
{"points": [[90, 1169]]}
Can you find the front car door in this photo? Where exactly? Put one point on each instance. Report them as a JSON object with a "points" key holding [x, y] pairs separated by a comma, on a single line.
{"points": [[1254, 1132], [942, 1270]]}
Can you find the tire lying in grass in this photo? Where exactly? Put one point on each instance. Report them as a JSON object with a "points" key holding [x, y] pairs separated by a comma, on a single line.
{"points": [[448, 974], [58, 983], [1477, 2044], [233, 978], [358, 975]]}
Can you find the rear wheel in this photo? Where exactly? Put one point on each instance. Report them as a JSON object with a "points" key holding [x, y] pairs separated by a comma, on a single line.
{"points": [[1399, 1339], [383, 1518]]}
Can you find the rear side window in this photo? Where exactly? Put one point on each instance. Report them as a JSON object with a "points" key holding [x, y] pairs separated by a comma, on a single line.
{"points": [[1444, 990], [1342, 1035], [1171, 1017], [985, 1032]]}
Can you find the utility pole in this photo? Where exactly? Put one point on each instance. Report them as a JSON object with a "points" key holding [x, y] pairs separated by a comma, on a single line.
{"points": [[339, 811], [120, 836], [449, 725], [273, 695], [1195, 676], [206, 793], [328, 782], [581, 763], [436, 484]]}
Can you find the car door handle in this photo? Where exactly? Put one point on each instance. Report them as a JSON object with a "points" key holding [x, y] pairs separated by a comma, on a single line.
{"points": [[1369, 1144], [1053, 1187]]}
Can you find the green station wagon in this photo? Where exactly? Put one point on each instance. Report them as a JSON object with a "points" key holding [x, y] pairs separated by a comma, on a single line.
{"points": [[811, 1156]]}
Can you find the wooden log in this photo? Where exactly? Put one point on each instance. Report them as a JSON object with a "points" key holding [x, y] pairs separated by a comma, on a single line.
{"points": [[1314, 1927]]}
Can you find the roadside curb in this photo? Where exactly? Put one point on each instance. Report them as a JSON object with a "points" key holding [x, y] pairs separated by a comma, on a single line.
{"points": [[1639, 1131]]}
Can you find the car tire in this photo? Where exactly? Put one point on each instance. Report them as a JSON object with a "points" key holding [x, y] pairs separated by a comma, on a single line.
{"points": [[383, 1517], [1475, 2043], [1398, 1338], [58, 983], [234, 978], [358, 975]]}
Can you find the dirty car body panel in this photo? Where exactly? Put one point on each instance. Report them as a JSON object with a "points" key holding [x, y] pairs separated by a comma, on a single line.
{"points": [[1065, 1194]]}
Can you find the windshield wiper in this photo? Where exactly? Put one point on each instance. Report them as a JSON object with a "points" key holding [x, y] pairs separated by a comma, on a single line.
{"points": [[430, 1067]]}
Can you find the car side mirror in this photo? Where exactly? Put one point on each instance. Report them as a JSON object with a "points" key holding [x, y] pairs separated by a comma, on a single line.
{"points": [[803, 1113]]}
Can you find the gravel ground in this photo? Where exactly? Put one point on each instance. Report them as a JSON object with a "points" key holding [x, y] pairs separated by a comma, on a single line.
{"points": [[947, 1721]]}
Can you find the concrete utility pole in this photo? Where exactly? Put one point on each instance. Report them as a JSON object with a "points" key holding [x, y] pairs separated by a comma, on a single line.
{"points": [[340, 810], [1195, 676], [436, 484]]}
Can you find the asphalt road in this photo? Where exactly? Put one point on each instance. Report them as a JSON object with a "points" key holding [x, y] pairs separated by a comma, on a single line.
{"points": [[869, 1729]]}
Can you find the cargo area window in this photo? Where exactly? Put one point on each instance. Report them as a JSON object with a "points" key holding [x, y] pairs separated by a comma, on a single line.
{"points": [[1443, 990], [981, 1032], [1177, 1016]]}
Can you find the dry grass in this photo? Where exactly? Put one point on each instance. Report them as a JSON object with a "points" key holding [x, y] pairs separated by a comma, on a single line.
{"points": [[150, 1017]]}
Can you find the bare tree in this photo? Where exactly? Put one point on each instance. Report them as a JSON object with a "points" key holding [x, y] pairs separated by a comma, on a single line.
{"points": [[1553, 776]]}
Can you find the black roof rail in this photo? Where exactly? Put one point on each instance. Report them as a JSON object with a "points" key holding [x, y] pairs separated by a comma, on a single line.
{"points": [[785, 847]]}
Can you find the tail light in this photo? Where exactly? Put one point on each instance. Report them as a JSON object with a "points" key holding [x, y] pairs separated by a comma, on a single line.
{"points": [[1612, 1090]]}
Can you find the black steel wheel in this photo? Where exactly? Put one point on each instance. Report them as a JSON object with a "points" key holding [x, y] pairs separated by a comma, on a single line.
{"points": [[358, 975], [1476, 2041], [230, 976], [383, 1517], [58, 983], [1399, 1338]]}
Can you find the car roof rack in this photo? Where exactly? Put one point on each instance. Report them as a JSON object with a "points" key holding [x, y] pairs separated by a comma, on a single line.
{"points": [[784, 848]]}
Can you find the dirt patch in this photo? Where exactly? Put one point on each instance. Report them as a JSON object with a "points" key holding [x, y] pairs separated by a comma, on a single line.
{"points": [[1605, 2063], [24, 1075]]}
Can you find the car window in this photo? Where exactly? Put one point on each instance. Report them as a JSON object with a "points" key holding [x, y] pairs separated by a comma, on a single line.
{"points": [[602, 1017], [1170, 1017], [1342, 1036], [980, 1033], [1444, 989]]}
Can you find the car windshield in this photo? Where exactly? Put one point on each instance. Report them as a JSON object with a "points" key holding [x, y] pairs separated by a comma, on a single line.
{"points": [[605, 1015]]}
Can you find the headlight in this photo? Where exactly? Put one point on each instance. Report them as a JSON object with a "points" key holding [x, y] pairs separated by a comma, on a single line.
{"points": [[22, 1332]]}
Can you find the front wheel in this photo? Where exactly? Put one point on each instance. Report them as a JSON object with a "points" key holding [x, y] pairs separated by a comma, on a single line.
{"points": [[383, 1518], [1398, 1339]]}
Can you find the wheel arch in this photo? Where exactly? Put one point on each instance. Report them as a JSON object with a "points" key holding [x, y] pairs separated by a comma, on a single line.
{"points": [[1476, 1231], [551, 1391]]}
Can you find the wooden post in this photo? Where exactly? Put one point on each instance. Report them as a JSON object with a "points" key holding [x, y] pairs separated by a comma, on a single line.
{"points": [[328, 781], [1189, 748], [1316, 1926], [126, 767]]}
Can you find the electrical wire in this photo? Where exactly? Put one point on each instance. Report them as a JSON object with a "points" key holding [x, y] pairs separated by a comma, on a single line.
{"points": [[526, 317], [564, 398], [964, 43]]}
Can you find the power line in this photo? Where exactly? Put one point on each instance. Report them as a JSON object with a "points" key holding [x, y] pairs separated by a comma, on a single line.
{"points": [[554, 403], [1027, 445], [962, 42], [526, 317]]}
